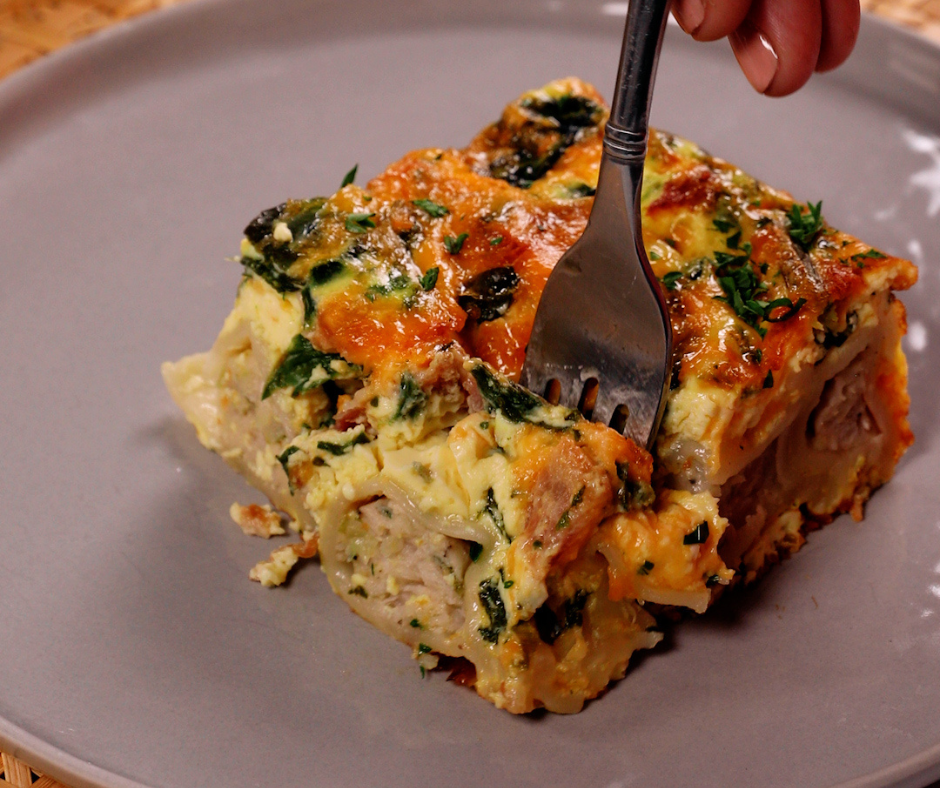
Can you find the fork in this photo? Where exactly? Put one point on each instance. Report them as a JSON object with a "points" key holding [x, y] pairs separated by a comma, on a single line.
{"points": [[602, 340]]}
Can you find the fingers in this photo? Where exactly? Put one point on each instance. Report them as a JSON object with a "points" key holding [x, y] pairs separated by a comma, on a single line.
{"points": [[841, 19], [778, 44], [709, 20]]}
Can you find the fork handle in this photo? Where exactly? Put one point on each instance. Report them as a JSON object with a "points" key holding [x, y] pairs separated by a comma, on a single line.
{"points": [[627, 129]]}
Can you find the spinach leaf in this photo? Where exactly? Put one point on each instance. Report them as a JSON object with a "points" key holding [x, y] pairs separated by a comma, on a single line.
{"points": [[304, 368], [550, 624], [491, 510], [511, 399], [489, 295], [275, 275], [411, 399], [261, 225], [339, 449], [495, 608]]}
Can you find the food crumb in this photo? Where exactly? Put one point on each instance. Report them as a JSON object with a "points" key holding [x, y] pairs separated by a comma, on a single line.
{"points": [[273, 571], [257, 520]]}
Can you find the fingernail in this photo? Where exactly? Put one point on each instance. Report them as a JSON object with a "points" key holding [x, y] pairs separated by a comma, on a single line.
{"points": [[755, 55], [689, 14]]}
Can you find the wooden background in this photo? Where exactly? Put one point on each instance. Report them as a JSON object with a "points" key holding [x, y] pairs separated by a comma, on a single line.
{"points": [[32, 28]]}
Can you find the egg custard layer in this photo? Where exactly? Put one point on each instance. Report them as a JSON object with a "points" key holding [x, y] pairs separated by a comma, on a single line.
{"points": [[365, 382]]}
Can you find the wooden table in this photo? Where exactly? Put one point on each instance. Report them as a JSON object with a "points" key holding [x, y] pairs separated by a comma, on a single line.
{"points": [[30, 29]]}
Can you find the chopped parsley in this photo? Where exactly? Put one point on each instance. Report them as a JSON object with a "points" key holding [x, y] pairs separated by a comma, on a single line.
{"points": [[671, 280], [698, 535], [454, 245], [424, 648], [359, 591], [359, 222], [496, 241], [723, 225], [492, 602], [305, 368], [415, 623], [350, 176], [431, 208], [804, 227], [429, 279], [475, 550], [742, 289], [871, 254], [712, 580]]}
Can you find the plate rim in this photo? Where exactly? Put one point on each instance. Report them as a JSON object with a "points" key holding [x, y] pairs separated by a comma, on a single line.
{"points": [[916, 770]]}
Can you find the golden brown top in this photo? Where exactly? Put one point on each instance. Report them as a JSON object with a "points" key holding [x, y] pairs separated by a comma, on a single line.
{"points": [[456, 246]]}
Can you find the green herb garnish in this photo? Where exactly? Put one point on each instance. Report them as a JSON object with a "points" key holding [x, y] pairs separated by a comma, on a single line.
{"points": [[454, 245], [671, 280], [475, 550], [431, 208], [430, 278], [350, 176], [359, 222], [804, 227]]}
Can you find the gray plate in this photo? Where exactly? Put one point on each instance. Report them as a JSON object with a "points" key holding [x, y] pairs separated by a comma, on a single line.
{"points": [[137, 652]]}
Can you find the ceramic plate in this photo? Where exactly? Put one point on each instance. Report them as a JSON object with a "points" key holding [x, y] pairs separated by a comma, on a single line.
{"points": [[137, 653]]}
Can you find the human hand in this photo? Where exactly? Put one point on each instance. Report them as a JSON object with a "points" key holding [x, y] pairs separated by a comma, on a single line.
{"points": [[778, 43]]}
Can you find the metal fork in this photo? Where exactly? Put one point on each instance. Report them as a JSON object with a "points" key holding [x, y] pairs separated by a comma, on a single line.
{"points": [[602, 340]]}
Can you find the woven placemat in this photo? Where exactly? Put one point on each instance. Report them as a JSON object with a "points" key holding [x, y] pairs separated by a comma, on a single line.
{"points": [[32, 28]]}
